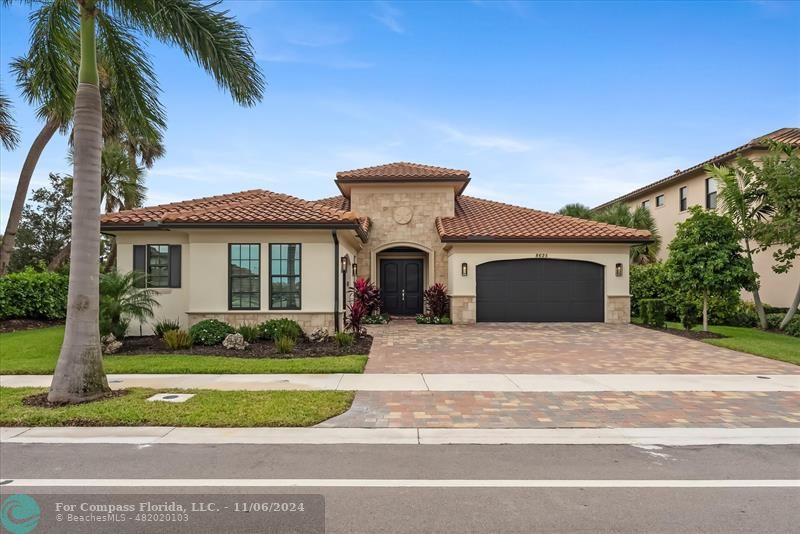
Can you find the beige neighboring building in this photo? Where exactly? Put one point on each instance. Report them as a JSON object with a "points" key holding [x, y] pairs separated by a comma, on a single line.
{"points": [[670, 198], [254, 255]]}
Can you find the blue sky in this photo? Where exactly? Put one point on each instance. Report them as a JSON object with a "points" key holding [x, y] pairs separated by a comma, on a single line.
{"points": [[545, 103]]}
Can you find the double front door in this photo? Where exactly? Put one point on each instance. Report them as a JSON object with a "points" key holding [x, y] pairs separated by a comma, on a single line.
{"points": [[401, 286]]}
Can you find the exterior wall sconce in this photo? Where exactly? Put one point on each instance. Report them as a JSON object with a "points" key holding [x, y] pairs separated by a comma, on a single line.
{"points": [[619, 269], [463, 269], [355, 270], [343, 260]]}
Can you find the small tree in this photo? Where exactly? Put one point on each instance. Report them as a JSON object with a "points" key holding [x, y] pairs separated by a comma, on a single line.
{"points": [[121, 300], [705, 259], [778, 175]]}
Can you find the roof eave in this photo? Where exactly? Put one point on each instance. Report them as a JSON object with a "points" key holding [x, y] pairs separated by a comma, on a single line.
{"points": [[490, 239], [362, 234], [349, 182]]}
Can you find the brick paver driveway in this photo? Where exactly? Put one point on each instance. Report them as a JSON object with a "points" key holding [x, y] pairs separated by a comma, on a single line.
{"points": [[552, 348]]}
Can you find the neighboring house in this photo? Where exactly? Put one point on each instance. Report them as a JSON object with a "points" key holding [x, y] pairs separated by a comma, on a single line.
{"points": [[250, 256], [670, 198]]}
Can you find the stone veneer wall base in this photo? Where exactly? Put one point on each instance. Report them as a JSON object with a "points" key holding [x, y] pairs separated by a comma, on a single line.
{"points": [[463, 310], [618, 309]]}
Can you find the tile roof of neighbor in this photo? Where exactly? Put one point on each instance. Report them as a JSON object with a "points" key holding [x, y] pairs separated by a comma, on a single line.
{"points": [[790, 136], [486, 220], [402, 171], [253, 207]]}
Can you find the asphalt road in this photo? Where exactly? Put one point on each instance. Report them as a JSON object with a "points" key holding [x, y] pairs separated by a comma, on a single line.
{"points": [[356, 508]]}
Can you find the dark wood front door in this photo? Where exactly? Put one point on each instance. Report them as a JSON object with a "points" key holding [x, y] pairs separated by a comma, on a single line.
{"points": [[401, 286]]}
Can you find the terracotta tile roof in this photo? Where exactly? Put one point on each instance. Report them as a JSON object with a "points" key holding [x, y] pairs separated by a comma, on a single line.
{"points": [[789, 136], [402, 171], [339, 202], [256, 207], [485, 220]]}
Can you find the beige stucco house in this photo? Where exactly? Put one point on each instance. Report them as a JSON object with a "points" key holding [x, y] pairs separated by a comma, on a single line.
{"points": [[249, 256], [670, 198]]}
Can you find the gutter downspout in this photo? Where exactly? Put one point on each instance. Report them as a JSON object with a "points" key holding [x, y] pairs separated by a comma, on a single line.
{"points": [[335, 281]]}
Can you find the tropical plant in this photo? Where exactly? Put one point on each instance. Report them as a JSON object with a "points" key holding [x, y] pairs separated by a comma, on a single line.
{"points": [[744, 201], [705, 259], [177, 339], [275, 328], [436, 299], [121, 300], [653, 312], [212, 38], [354, 318], [778, 175], [165, 325], [9, 134], [32, 295], [640, 218], [284, 344], [367, 293], [344, 339], [210, 331], [249, 332], [576, 209]]}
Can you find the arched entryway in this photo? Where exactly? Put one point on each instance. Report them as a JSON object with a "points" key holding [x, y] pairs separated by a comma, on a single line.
{"points": [[540, 290], [401, 274]]}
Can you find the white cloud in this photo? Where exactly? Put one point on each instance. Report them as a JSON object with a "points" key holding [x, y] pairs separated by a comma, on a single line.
{"points": [[389, 16], [480, 140]]}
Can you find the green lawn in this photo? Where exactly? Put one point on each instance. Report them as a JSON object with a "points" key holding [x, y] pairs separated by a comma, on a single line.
{"points": [[754, 341], [34, 352], [207, 409]]}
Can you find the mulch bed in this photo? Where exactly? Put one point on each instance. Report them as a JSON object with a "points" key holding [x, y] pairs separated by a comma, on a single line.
{"points": [[691, 334], [40, 400], [259, 349], [13, 325]]}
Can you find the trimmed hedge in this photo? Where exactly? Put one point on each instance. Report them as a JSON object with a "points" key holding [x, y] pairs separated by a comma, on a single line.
{"points": [[653, 312], [210, 332], [283, 327], [793, 328], [32, 295]]}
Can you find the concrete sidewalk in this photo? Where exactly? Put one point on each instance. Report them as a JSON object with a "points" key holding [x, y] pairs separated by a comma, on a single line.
{"points": [[440, 382], [403, 436]]}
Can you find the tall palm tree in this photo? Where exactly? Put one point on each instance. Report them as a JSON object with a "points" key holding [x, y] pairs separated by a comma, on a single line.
{"points": [[746, 206], [9, 134], [581, 211], [641, 218], [221, 46], [47, 76]]}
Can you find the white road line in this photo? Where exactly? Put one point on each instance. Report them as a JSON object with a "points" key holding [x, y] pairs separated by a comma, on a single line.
{"points": [[395, 483]]}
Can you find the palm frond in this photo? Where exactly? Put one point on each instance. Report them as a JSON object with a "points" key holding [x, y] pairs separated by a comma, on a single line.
{"points": [[576, 209], [9, 134], [212, 38]]}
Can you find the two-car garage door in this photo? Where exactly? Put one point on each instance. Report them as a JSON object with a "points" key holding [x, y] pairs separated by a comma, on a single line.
{"points": [[534, 290]]}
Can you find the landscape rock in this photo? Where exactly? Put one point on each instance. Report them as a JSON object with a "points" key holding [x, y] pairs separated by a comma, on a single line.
{"points": [[110, 344], [319, 335], [235, 342]]}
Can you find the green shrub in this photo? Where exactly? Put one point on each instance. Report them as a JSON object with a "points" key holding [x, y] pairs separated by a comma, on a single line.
{"points": [[121, 300], [689, 315], [284, 344], [650, 282], [275, 328], [653, 312], [344, 339], [165, 325], [740, 314], [376, 318], [32, 295], [177, 339], [249, 332], [793, 328], [118, 327], [774, 320], [445, 320], [210, 332]]}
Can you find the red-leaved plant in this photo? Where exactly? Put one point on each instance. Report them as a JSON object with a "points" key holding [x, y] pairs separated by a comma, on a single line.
{"points": [[367, 294], [354, 318], [436, 299]]}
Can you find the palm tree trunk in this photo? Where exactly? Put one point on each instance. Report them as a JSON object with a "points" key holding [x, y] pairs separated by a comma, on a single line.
{"points": [[15, 213], [762, 315], [60, 257], [705, 311], [79, 374], [792, 309]]}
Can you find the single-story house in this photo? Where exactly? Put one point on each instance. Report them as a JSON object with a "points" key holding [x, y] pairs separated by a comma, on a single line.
{"points": [[249, 256]]}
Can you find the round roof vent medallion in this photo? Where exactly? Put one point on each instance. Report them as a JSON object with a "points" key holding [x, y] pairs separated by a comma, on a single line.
{"points": [[403, 215]]}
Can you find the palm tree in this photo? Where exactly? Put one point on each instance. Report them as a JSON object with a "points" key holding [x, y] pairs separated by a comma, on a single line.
{"points": [[9, 135], [641, 218], [581, 211], [48, 78], [221, 46], [746, 206], [122, 300]]}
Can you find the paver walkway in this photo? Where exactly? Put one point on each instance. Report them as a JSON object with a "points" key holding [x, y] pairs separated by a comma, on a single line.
{"points": [[552, 348], [374, 409]]}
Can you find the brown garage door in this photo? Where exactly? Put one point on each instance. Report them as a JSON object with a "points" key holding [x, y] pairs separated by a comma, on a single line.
{"points": [[540, 291]]}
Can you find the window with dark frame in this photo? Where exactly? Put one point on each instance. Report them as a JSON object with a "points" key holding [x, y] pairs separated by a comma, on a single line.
{"points": [[659, 201], [284, 276], [684, 196], [244, 276], [711, 193], [157, 265], [646, 204]]}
